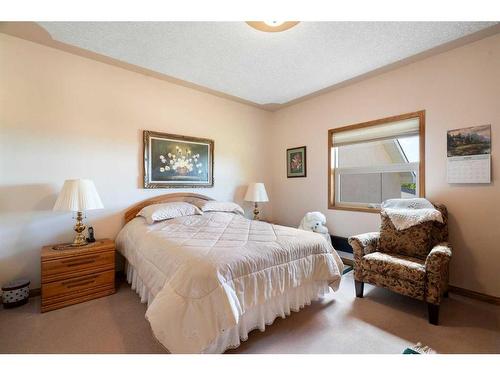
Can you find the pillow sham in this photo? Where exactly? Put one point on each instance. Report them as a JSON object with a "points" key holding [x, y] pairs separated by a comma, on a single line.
{"points": [[170, 210], [215, 206]]}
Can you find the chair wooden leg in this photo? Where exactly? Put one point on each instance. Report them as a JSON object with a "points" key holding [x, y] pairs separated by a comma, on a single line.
{"points": [[433, 313], [359, 285]]}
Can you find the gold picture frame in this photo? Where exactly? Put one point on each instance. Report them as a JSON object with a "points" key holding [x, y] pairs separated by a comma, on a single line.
{"points": [[177, 161]]}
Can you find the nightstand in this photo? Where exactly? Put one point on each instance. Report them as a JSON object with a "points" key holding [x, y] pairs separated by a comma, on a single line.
{"points": [[77, 274]]}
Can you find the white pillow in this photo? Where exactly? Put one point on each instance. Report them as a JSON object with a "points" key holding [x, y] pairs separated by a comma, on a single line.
{"points": [[222, 207], [163, 211]]}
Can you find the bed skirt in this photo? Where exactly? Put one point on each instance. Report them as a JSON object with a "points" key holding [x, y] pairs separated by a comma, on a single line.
{"points": [[255, 318], [137, 285]]}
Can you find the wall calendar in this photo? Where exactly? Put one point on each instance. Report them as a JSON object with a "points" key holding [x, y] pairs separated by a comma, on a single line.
{"points": [[469, 155]]}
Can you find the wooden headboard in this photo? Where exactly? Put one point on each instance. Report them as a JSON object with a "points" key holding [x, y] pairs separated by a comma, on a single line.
{"points": [[174, 197]]}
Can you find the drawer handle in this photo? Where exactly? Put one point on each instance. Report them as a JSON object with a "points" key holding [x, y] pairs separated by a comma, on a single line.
{"points": [[79, 282], [79, 262]]}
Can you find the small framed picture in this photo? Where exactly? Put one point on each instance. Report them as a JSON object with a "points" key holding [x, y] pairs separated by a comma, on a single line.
{"points": [[296, 164]]}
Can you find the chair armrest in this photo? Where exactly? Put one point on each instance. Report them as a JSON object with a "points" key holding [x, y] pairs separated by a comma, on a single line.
{"points": [[436, 268], [362, 244], [439, 256]]}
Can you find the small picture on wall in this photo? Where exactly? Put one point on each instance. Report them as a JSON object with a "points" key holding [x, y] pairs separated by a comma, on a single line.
{"points": [[475, 140], [176, 161], [296, 162]]}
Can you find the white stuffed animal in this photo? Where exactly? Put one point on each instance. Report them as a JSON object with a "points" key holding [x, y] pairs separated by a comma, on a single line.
{"points": [[315, 222]]}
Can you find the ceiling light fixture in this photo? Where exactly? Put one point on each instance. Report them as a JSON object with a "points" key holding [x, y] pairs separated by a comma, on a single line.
{"points": [[274, 23], [272, 26]]}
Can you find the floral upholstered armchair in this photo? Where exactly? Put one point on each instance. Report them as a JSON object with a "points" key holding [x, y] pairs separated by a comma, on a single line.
{"points": [[413, 261]]}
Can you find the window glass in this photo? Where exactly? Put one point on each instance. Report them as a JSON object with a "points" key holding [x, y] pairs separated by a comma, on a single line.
{"points": [[376, 161], [388, 151], [374, 188]]}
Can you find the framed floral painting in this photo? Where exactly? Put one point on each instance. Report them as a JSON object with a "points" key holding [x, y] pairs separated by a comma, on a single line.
{"points": [[177, 161], [296, 162]]}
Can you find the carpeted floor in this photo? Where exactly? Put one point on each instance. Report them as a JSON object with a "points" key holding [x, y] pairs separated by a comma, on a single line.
{"points": [[382, 322]]}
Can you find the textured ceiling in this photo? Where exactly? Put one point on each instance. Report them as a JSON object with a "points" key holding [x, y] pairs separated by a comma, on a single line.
{"points": [[235, 59]]}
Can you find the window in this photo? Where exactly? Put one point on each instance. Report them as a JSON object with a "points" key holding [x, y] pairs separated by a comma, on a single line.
{"points": [[377, 160]]}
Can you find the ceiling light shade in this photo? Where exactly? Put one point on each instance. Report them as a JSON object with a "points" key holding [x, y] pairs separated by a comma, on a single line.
{"points": [[272, 26], [274, 23]]}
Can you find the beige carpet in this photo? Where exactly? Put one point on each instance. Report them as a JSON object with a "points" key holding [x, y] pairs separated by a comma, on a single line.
{"points": [[382, 322]]}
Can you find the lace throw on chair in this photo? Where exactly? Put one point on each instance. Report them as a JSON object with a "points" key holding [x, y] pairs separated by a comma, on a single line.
{"points": [[405, 213]]}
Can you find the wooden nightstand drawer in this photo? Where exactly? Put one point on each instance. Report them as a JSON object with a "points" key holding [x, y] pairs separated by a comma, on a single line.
{"points": [[78, 285], [72, 275], [77, 265]]}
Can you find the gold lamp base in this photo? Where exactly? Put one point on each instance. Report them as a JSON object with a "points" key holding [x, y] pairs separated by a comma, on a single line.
{"points": [[79, 228], [256, 212]]}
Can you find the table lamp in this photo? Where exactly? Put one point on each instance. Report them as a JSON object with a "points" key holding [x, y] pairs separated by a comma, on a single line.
{"points": [[256, 192], [78, 196]]}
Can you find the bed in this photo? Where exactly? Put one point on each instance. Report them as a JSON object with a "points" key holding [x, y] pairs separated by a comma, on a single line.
{"points": [[210, 279]]}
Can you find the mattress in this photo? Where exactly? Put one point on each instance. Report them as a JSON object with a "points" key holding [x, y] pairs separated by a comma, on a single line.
{"points": [[203, 273]]}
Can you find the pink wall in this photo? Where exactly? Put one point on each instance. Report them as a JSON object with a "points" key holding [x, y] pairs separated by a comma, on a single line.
{"points": [[458, 88], [64, 116]]}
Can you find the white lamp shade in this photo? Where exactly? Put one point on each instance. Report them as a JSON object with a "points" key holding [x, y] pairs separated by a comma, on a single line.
{"points": [[78, 195], [256, 192]]}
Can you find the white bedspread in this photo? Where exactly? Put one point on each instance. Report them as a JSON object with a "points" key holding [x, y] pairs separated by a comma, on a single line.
{"points": [[206, 271]]}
